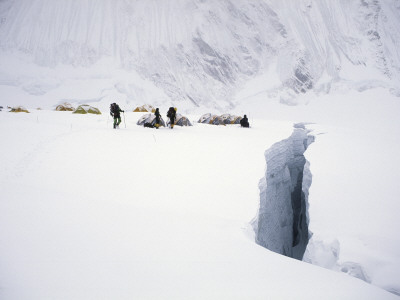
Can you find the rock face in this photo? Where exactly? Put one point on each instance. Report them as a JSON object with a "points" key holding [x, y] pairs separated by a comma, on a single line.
{"points": [[282, 221]]}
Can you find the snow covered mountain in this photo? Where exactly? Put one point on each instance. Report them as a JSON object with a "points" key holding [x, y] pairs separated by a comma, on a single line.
{"points": [[340, 57], [196, 52]]}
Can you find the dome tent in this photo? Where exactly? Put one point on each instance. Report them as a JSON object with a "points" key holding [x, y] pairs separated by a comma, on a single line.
{"points": [[19, 109], [65, 107], [231, 119], [151, 119], [145, 108], [211, 119], [205, 118], [87, 109], [181, 121]]}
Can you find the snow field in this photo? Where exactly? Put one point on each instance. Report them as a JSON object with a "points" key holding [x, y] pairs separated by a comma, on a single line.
{"points": [[354, 161], [78, 198], [88, 212]]}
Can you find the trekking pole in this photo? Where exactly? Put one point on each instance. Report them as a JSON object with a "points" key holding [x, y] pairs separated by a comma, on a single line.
{"points": [[124, 119]]}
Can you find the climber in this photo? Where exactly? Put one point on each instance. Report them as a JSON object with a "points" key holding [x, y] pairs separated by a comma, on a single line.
{"points": [[171, 114], [115, 113], [244, 122], [157, 113]]}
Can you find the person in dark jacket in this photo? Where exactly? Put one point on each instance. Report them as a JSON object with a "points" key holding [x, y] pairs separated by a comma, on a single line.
{"points": [[245, 122], [171, 114], [157, 113], [115, 113]]}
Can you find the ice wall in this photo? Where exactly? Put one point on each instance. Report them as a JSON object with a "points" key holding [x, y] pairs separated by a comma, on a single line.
{"points": [[282, 221]]}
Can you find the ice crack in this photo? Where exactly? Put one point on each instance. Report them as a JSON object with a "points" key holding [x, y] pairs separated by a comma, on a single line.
{"points": [[282, 221]]}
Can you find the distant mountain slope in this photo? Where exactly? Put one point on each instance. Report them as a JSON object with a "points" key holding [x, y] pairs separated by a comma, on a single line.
{"points": [[203, 51]]}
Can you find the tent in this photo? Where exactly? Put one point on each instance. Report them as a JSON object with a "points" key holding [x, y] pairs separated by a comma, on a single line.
{"points": [[231, 119], [205, 119], [87, 109], [181, 121], [150, 119], [19, 109], [211, 119], [65, 107], [145, 108]]}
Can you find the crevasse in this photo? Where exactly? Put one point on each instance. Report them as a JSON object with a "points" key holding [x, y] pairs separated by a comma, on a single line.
{"points": [[281, 224]]}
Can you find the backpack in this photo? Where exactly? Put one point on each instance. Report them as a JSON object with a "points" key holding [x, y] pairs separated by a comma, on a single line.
{"points": [[170, 112], [114, 108]]}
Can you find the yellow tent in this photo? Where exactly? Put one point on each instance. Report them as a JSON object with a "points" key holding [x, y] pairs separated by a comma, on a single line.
{"points": [[211, 119], [65, 107], [145, 108], [231, 119], [87, 109], [19, 109]]}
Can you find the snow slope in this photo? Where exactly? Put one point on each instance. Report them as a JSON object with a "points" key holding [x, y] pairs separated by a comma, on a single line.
{"points": [[337, 60], [88, 212], [198, 53], [355, 167]]}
